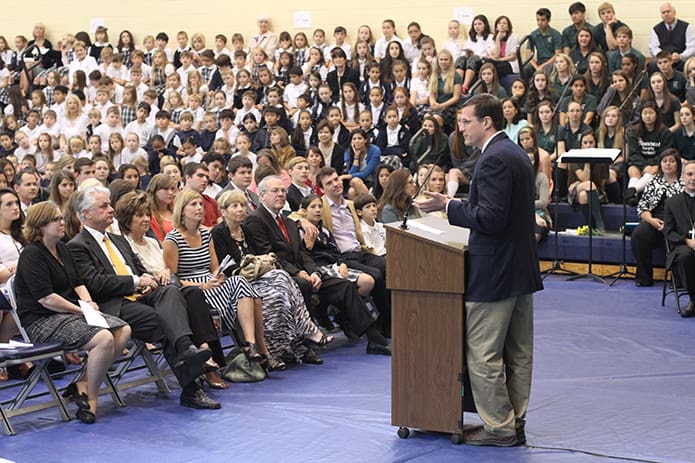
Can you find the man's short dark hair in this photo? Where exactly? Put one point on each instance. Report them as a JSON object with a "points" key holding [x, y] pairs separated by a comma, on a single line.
{"points": [[272, 109], [578, 78], [362, 200], [486, 105], [27, 170], [146, 106], [226, 114], [80, 163], [190, 168], [324, 172], [577, 7], [212, 157], [543, 12], [238, 162]]}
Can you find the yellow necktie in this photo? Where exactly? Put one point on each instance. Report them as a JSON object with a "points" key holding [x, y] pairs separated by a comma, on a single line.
{"points": [[117, 262]]}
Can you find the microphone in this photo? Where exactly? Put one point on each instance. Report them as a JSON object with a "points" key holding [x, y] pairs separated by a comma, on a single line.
{"points": [[475, 86]]}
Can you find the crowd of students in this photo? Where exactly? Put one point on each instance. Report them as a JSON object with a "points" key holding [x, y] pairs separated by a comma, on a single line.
{"points": [[172, 133]]}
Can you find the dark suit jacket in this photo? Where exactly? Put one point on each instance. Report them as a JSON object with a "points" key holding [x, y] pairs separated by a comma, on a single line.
{"points": [[294, 197], [107, 288], [336, 84], [253, 197], [676, 224], [502, 252], [265, 236]]}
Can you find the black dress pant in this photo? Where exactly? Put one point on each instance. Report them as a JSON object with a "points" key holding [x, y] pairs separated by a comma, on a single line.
{"points": [[344, 296], [200, 321], [684, 268], [374, 266], [644, 240], [160, 316]]}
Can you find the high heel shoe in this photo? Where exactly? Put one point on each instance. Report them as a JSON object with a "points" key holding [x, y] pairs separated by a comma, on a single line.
{"points": [[270, 363], [213, 380], [322, 342], [252, 353], [71, 392]]}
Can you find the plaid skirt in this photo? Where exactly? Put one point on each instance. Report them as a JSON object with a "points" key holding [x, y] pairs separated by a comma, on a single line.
{"points": [[69, 329]]}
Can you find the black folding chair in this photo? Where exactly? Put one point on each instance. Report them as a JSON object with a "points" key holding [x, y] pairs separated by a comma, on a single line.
{"points": [[671, 283], [39, 355]]}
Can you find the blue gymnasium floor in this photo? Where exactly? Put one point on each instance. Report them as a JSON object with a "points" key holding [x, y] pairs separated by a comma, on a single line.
{"points": [[614, 376]]}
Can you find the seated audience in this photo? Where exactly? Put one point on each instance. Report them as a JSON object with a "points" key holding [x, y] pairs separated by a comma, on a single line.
{"points": [[289, 331], [133, 212], [122, 287]]}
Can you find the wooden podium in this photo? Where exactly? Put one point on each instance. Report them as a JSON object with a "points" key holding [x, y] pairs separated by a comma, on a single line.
{"points": [[426, 276]]}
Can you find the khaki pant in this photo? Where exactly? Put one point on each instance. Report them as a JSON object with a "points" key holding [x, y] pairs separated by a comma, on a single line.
{"points": [[499, 356]]}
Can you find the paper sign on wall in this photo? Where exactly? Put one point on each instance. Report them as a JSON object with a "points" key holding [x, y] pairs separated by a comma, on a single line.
{"points": [[302, 19], [464, 15]]}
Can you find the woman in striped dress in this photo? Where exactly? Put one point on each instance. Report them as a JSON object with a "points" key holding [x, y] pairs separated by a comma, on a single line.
{"points": [[289, 331], [188, 252]]}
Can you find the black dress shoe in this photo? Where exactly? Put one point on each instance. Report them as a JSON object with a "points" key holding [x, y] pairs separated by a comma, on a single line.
{"points": [[200, 400], [641, 283], [378, 349], [689, 311], [312, 358], [71, 392], [86, 416], [192, 356], [484, 438]]}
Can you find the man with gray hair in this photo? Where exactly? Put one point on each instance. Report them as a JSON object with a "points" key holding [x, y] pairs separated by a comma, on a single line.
{"points": [[672, 35], [121, 286], [269, 231]]}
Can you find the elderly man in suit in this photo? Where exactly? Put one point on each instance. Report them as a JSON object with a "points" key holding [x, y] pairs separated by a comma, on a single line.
{"points": [[502, 275], [679, 228], [269, 231], [121, 286]]}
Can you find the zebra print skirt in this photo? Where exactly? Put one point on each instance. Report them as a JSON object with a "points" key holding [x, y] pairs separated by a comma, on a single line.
{"points": [[225, 297], [286, 319]]}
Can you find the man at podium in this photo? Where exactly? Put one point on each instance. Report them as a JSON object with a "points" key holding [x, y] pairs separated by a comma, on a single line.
{"points": [[503, 273]]}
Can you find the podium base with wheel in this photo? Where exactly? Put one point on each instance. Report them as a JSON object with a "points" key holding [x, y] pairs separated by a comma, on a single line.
{"points": [[428, 391]]}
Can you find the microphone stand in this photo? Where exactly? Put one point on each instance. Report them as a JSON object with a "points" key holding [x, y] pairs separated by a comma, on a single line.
{"points": [[406, 214], [556, 267], [623, 270], [564, 90]]}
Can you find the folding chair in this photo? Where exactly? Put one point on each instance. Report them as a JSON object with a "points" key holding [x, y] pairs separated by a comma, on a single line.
{"points": [[39, 355], [123, 365], [671, 283]]}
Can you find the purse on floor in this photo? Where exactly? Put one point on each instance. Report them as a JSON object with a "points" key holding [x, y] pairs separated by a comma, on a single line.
{"points": [[240, 370], [253, 267]]}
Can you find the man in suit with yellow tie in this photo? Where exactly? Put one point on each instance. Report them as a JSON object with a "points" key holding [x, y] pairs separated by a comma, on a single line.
{"points": [[122, 287]]}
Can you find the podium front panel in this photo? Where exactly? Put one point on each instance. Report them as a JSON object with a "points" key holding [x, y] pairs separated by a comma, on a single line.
{"points": [[428, 357]]}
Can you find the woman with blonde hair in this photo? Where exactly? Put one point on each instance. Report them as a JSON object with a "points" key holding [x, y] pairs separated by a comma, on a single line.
{"points": [[445, 88], [190, 254]]}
